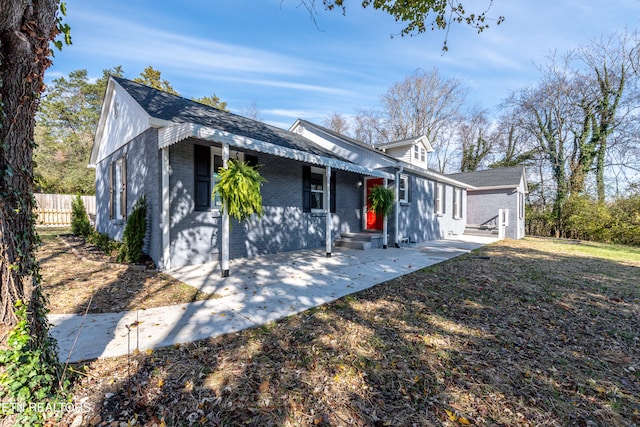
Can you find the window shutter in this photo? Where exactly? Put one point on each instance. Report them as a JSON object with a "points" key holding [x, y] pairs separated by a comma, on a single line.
{"points": [[306, 188], [111, 192], [251, 160], [332, 202], [202, 177], [409, 189], [123, 194], [444, 199]]}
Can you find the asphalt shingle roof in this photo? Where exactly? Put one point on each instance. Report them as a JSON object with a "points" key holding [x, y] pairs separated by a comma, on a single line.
{"points": [[165, 106], [491, 177]]}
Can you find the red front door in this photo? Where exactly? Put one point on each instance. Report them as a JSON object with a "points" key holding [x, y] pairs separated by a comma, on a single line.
{"points": [[374, 221]]}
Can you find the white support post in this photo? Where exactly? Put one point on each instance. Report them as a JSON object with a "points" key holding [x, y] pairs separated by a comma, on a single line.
{"points": [[385, 242], [164, 215], [327, 209], [500, 224], [224, 255], [396, 213]]}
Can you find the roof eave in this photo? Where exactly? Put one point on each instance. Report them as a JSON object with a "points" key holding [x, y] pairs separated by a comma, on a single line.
{"points": [[181, 131]]}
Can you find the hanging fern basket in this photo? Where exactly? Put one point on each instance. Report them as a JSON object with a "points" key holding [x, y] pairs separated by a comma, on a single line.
{"points": [[381, 200], [239, 186]]}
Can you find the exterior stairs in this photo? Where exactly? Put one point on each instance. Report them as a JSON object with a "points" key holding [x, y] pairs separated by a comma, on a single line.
{"points": [[361, 241], [481, 230]]}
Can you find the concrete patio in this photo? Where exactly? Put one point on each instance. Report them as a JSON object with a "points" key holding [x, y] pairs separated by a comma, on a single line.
{"points": [[260, 290]]}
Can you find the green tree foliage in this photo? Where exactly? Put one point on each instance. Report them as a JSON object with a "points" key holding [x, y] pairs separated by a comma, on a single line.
{"points": [[80, 225], [418, 16], [152, 77], [66, 125], [586, 219], [134, 232], [212, 101], [239, 186]]}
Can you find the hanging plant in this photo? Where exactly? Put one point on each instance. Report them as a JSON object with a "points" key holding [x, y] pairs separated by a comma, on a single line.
{"points": [[239, 186], [381, 200]]}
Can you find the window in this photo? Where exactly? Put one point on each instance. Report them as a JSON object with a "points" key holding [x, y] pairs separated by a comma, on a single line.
{"points": [[521, 204], [423, 155], [416, 152], [317, 189], [214, 202], [313, 189], [118, 189], [440, 199], [457, 203], [403, 189]]}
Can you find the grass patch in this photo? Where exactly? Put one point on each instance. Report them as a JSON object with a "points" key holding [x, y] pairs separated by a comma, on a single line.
{"points": [[536, 335]]}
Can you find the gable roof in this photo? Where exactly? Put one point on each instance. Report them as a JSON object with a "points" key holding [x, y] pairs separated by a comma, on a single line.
{"points": [[179, 118], [408, 141], [509, 177], [394, 161], [173, 108]]}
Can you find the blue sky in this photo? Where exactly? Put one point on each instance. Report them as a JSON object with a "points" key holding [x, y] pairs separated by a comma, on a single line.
{"points": [[271, 53]]}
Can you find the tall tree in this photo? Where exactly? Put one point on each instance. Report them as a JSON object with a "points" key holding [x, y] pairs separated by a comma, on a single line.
{"points": [[66, 124], [212, 101], [152, 77], [26, 30], [424, 103], [476, 141], [337, 123]]}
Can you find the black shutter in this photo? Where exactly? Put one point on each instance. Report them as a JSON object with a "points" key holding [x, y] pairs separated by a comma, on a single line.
{"points": [[251, 160], [202, 175], [409, 189], [332, 201], [306, 188]]}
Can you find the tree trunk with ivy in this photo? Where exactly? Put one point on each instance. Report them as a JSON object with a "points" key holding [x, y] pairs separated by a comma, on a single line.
{"points": [[26, 30]]}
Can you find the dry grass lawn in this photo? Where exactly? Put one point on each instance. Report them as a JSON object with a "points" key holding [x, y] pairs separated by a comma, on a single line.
{"points": [[537, 332]]}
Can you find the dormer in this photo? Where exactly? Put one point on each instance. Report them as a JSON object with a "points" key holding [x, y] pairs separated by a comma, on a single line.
{"points": [[414, 151]]}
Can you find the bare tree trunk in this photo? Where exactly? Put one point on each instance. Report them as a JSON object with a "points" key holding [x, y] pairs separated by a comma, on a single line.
{"points": [[26, 29]]}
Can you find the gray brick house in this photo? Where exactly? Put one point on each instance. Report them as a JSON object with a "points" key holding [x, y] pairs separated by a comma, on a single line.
{"points": [[495, 192], [169, 149]]}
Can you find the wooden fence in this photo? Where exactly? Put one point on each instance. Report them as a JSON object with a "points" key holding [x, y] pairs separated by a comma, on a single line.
{"points": [[55, 209]]}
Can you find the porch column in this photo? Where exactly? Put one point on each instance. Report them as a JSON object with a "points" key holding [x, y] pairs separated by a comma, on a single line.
{"points": [[327, 209], [164, 215], [396, 211], [384, 223], [224, 249]]}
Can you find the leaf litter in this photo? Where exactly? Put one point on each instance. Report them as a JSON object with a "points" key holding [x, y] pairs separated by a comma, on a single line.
{"points": [[518, 333]]}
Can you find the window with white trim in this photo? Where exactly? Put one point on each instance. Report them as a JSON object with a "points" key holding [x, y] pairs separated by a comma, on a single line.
{"points": [[457, 203], [440, 199], [118, 190], [416, 152], [403, 189], [317, 189], [521, 204], [216, 161], [423, 155]]}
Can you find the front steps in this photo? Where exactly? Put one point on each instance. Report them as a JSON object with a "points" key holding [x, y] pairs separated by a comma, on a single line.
{"points": [[361, 241]]}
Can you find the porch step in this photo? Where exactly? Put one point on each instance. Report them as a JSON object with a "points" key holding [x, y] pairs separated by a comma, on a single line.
{"points": [[360, 241], [480, 230]]}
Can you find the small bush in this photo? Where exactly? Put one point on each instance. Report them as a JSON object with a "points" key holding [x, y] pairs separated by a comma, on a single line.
{"points": [[80, 225], [103, 242], [134, 232]]}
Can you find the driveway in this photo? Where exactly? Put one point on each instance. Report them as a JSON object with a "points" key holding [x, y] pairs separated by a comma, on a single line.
{"points": [[259, 290]]}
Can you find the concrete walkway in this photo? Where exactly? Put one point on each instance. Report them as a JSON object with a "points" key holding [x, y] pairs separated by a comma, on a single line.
{"points": [[259, 290]]}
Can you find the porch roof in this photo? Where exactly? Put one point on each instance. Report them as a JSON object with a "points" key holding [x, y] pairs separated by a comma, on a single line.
{"points": [[181, 131]]}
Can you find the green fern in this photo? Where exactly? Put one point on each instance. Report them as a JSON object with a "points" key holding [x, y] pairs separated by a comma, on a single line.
{"points": [[239, 186], [381, 199]]}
